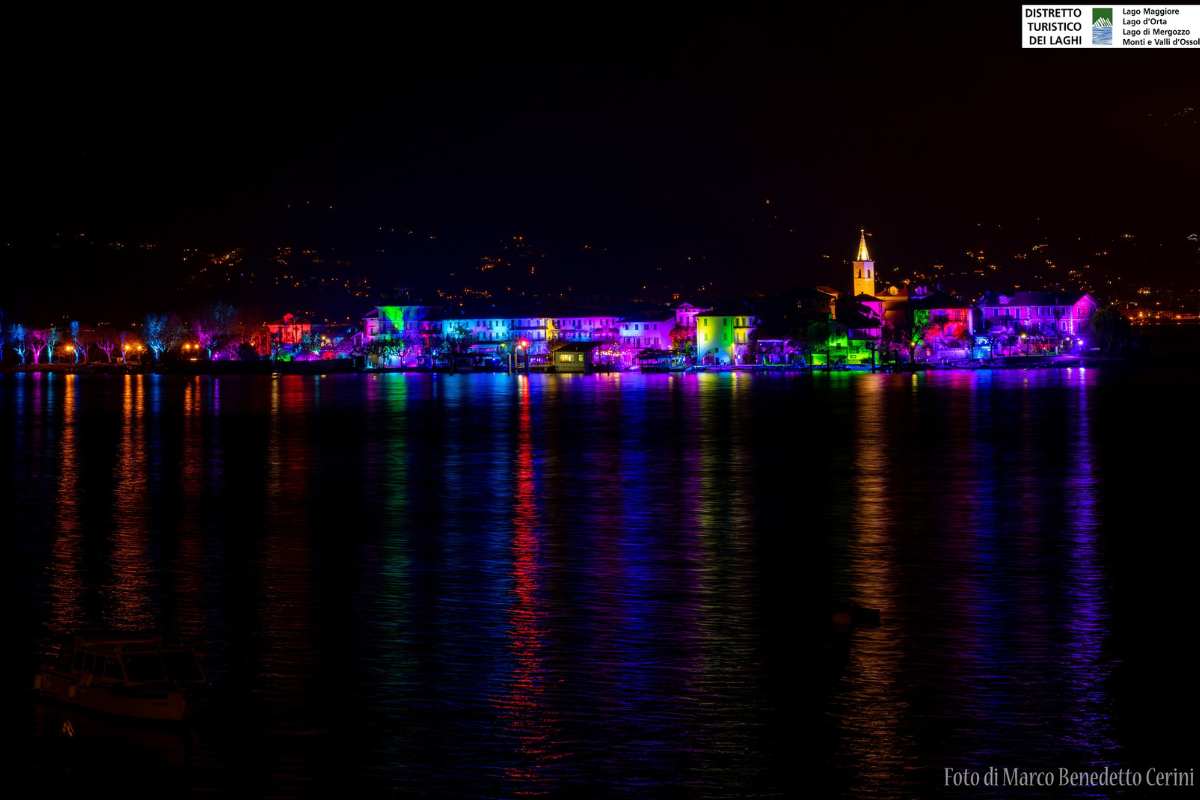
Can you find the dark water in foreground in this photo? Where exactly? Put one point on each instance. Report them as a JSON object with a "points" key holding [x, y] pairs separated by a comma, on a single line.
{"points": [[617, 585]]}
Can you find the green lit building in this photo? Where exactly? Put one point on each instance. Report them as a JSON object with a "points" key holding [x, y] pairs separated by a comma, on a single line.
{"points": [[724, 339]]}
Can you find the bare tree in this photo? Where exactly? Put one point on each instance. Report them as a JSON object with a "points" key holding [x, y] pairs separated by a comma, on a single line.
{"points": [[53, 337], [177, 331], [17, 336], [206, 336], [78, 347], [221, 319], [106, 345], [37, 343], [156, 334]]}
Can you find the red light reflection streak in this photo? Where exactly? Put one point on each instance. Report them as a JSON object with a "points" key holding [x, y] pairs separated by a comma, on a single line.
{"points": [[66, 587], [288, 654], [523, 706], [127, 598]]}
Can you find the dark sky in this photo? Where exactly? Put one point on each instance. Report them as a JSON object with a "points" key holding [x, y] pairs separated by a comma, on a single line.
{"points": [[646, 131]]}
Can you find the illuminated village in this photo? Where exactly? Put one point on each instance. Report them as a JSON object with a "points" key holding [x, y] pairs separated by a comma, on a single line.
{"points": [[867, 325]]}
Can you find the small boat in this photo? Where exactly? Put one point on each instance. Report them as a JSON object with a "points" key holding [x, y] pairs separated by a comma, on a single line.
{"points": [[126, 675]]}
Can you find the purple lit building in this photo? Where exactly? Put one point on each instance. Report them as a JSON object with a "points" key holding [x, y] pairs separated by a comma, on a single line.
{"points": [[1032, 322], [1044, 313]]}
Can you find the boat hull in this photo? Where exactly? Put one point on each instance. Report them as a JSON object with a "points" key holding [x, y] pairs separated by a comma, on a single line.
{"points": [[157, 705]]}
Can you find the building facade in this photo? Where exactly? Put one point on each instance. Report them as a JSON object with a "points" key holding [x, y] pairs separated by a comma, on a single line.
{"points": [[1043, 314], [724, 339], [864, 268]]}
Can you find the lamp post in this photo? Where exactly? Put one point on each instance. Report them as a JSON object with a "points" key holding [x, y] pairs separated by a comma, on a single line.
{"points": [[521, 349]]}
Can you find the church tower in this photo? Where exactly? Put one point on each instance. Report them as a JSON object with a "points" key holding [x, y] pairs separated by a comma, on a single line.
{"points": [[864, 268]]}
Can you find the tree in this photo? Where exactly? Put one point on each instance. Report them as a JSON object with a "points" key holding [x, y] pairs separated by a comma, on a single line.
{"points": [[106, 345], [53, 337], [817, 337], [222, 317], [683, 342], [16, 335], [899, 340], [1109, 330], [156, 334], [206, 337], [80, 349], [177, 332], [385, 350], [213, 329], [458, 341], [311, 343], [37, 343]]}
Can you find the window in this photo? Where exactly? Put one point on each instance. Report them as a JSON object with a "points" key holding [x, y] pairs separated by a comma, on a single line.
{"points": [[181, 666], [144, 668]]}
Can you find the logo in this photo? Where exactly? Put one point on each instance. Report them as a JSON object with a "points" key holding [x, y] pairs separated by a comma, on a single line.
{"points": [[1102, 24]]}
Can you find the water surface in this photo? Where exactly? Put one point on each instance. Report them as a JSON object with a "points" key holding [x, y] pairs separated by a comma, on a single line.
{"points": [[619, 585]]}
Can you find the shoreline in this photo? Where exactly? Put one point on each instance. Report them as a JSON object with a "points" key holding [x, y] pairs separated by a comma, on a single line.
{"points": [[343, 366]]}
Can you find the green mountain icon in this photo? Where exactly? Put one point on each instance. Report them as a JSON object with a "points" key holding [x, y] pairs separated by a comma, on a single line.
{"points": [[1102, 17]]}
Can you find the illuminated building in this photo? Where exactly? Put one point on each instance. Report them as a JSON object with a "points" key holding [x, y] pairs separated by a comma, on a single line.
{"points": [[283, 334], [573, 357], [840, 350], [648, 331], [723, 339], [1036, 313], [685, 316], [864, 268], [871, 312], [484, 330], [583, 329], [942, 327], [394, 321]]}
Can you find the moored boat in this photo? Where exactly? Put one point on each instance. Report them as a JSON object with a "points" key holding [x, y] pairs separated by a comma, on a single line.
{"points": [[125, 675]]}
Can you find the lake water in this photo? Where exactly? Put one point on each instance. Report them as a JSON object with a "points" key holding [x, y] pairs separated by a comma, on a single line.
{"points": [[484, 585]]}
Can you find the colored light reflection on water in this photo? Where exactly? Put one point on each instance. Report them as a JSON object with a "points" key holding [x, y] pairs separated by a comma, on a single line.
{"points": [[524, 586]]}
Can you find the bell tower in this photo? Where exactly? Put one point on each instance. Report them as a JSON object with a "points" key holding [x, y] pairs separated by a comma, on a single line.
{"points": [[864, 268]]}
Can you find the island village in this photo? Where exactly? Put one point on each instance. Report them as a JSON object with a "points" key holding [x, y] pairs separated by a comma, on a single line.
{"points": [[863, 325]]}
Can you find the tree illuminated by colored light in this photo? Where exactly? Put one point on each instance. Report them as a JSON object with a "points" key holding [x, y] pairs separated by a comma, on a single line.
{"points": [[17, 335], [156, 334], [77, 346], [52, 339]]}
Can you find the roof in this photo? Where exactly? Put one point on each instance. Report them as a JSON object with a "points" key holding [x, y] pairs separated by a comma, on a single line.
{"points": [[649, 315], [727, 311], [818, 293], [117, 642], [577, 347], [939, 299], [1031, 298], [863, 254], [860, 321]]}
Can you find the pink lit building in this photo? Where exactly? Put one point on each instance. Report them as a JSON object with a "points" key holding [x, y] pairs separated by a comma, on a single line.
{"points": [[1046, 314]]}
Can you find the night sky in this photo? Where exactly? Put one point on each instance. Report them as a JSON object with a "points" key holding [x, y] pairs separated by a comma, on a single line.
{"points": [[654, 137]]}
